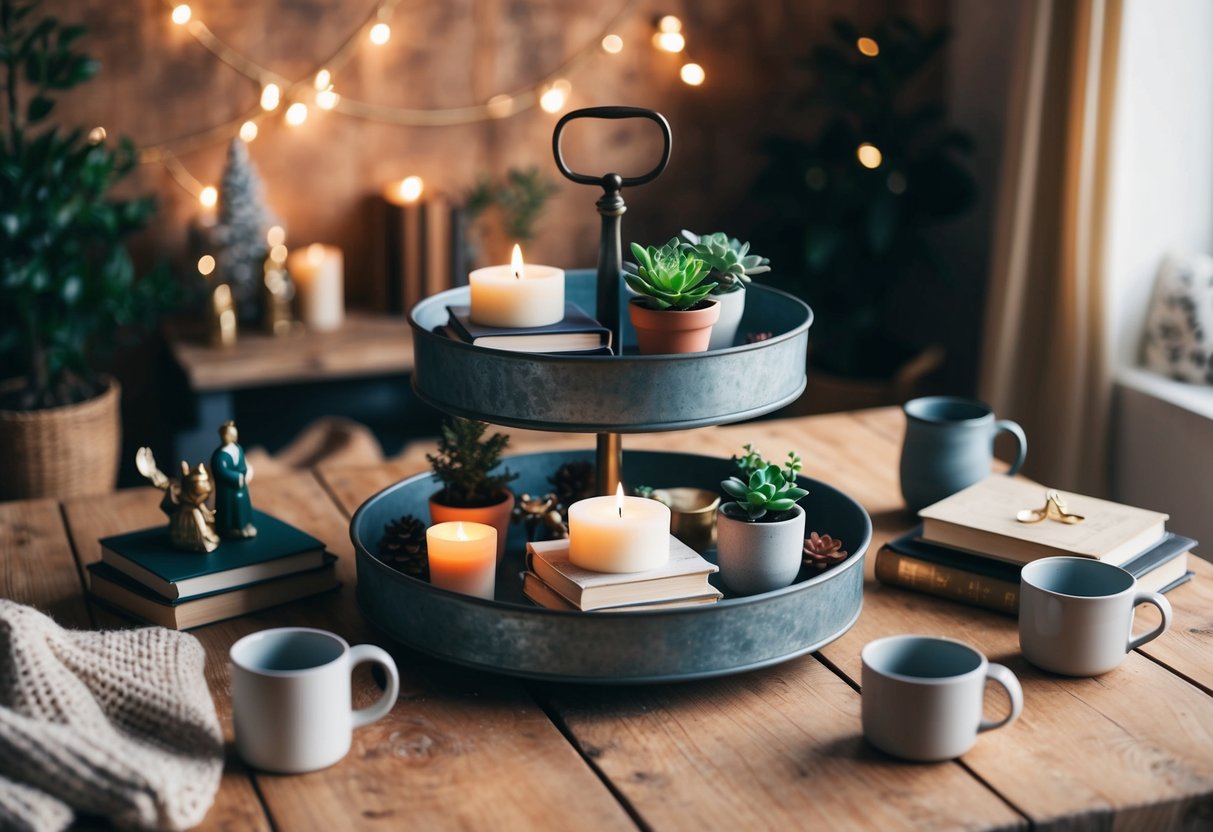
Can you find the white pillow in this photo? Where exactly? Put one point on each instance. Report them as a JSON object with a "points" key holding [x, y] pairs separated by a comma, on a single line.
{"points": [[1179, 325]]}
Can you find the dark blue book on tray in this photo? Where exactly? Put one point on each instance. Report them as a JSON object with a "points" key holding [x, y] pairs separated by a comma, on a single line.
{"points": [[577, 333], [149, 557]]}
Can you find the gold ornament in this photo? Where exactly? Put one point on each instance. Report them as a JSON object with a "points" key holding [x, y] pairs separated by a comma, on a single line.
{"points": [[191, 524]]}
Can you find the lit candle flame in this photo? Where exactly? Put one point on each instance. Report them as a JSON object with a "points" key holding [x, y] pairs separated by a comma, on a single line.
{"points": [[460, 534], [516, 261], [619, 500]]}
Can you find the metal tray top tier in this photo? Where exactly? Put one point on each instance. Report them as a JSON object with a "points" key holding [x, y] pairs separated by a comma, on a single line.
{"points": [[629, 393]]}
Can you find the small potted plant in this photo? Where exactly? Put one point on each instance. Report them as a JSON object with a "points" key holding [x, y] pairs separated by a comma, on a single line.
{"points": [[731, 267], [470, 491], [673, 312], [760, 534]]}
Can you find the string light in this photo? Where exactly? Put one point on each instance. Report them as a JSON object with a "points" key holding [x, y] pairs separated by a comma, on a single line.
{"points": [[327, 99], [208, 196], [206, 265], [182, 14], [868, 47], [380, 33], [869, 155], [248, 131], [323, 80], [612, 44], [296, 114], [669, 23], [271, 96], [692, 74], [411, 188], [278, 253], [500, 106], [670, 41], [554, 97], [276, 235], [96, 135]]}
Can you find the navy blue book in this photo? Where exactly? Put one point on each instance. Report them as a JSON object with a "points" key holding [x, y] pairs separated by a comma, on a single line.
{"points": [[577, 333], [149, 557]]}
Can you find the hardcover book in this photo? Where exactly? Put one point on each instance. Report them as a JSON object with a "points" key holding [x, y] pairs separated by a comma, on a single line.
{"points": [[981, 519], [684, 575], [149, 557], [543, 595], [129, 596], [578, 332]]}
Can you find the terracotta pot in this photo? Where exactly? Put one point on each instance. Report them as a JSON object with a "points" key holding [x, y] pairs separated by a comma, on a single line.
{"points": [[497, 515], [668, 331], [758, 557], [724, 331], [62, 452]]}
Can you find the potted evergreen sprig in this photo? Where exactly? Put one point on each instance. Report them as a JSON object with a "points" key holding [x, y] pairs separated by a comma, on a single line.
{"points": [[473, 490], [672, 312], [68, 290], [731, 267], [760, 534]]}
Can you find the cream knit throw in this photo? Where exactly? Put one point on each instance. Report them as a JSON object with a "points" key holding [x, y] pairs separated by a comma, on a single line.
{"points": [[116, 723]]}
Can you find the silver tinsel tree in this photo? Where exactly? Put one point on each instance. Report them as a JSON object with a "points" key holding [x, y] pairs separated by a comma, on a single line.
{"points": [[244, 220]]}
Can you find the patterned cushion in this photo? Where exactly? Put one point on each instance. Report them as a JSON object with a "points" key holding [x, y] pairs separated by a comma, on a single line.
{"points": [[1179, 326]]}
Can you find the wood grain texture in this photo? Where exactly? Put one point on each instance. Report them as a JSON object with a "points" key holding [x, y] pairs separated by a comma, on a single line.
{"points": [[37, 567], [1187, 644]]}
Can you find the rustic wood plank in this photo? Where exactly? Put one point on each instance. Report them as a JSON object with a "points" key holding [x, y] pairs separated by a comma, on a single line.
{"points": [[450, 748], [36, 563], [1188, 643]]}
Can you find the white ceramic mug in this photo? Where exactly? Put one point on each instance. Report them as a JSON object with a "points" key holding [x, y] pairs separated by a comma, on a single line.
{"points": [[1076, 615], [922, 696], [291, 697]]}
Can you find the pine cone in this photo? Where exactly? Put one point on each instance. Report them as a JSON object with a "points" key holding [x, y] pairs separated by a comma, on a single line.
{"points": [[403, 547], [572, 481], [822, 551]]}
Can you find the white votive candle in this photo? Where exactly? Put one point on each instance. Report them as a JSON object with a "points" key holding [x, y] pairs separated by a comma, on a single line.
{"points": [[518, 295], [463, 557], [619, 534], [318, 272]]}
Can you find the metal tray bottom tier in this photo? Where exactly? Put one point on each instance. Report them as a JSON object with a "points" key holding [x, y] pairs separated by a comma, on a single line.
{"points": [[510, 635]]}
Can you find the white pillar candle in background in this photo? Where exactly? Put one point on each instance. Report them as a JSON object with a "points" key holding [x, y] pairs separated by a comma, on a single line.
{"points": [[619, 534], [463, 557], [518, 295], [318, 272]]}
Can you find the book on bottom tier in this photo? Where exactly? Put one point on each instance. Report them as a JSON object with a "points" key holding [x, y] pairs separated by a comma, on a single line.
{"points": [[543, 595]]}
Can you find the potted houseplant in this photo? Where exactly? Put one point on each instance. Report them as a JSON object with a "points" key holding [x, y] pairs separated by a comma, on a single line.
{"points": [[760, 534], [67, 286], [672, 312], [731, 267], [470, 491]]}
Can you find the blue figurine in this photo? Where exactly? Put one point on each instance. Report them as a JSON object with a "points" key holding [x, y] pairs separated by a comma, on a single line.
{"points": [[233, 509]]}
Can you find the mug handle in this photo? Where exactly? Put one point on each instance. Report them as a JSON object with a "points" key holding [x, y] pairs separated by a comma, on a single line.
{"points": [[1003, 676], [1021, 440], [1164, 607], [371, 653]]}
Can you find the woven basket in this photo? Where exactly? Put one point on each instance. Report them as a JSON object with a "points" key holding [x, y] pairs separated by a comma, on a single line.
{"points": [[61, 452]]}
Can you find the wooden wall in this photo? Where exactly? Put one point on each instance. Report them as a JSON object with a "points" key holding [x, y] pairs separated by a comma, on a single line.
{"points": [[157, 83]]}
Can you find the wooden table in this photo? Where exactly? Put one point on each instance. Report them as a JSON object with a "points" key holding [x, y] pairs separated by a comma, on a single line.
{"points": [[774, 749]]}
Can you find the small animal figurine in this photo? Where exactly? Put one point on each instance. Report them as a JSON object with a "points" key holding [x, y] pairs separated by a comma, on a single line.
{"points": [[191, 524], [233, 508], [538, 513]]}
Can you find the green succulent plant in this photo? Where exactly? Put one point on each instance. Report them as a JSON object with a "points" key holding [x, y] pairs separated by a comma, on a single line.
{"points": [[728, 258], [668, 277], [770, 490]]}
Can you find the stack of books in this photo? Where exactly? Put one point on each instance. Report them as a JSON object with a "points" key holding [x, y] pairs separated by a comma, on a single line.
{"points": [[552, 581], [143, 575], [970, 546], [577, 334]]}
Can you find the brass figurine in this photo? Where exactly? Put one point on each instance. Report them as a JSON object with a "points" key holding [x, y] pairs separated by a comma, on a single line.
{"points": [[191, 524], [233, 508], [540, 512], [1054, 509]]}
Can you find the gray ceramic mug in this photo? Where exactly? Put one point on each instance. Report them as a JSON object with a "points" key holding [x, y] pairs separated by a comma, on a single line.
{"points": [[949, 445]]}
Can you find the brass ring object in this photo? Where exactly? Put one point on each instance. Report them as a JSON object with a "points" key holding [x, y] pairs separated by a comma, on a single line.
{"points": [[1054, 509]]}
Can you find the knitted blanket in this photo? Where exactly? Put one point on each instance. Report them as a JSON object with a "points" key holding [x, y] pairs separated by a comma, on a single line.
{"points": [[114, 723]]}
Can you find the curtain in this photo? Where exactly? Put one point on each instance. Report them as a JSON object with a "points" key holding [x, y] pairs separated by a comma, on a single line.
{"points": [[1046, 360]]}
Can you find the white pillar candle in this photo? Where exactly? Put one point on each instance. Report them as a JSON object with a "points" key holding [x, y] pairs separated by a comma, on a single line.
{"points": [[518, 295], [619, 534], [463, 557], [318, 272]]}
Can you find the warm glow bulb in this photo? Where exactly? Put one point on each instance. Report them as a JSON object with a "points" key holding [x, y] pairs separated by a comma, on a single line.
{"points": [[324, 79], [669, 23], [276, 236], [296, 114], [869, 155], [380, 34], [182, 14], [619, 498], [670, 41], [516, 261], [271, 96], [327, 99], [208, 196], [206, 265], [411, 188], [278, 253], [500, 106], [248, 131], [96, 135], [868, 47], [692, 74], [612, 44], [553, 98]]}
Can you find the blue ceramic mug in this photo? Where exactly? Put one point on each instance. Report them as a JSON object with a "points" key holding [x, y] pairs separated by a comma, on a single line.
{"points": [[949, 446]]}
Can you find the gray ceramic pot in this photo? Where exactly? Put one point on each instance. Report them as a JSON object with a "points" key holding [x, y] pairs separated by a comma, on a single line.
{"points": [[756, 556], [724, 331]]}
